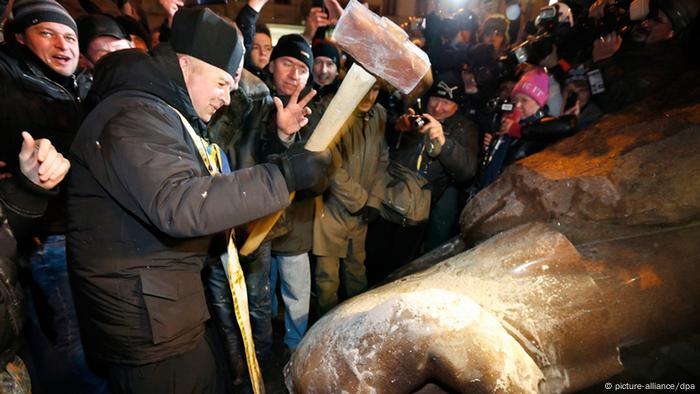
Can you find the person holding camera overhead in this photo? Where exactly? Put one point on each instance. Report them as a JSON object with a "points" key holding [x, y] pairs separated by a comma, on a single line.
{"points": [[434, 150]]}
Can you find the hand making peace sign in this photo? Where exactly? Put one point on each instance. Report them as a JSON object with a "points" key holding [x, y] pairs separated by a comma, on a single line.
{"points": [[292, 118]]}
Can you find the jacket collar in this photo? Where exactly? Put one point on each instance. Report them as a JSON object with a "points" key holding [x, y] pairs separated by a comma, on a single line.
{"points": [[157, 73], [20, 62]]}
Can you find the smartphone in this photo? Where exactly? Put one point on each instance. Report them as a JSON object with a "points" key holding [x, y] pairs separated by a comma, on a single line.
{"points": [[571, 100], [321, 32]]}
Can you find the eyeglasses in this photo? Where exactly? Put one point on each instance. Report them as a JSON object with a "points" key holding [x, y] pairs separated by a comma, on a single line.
{"points": [[289, 66]]}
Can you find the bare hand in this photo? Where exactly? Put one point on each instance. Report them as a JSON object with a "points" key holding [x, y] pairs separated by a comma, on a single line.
{"points": [[506, 124], [334, 10], [606, 47], [257, 5], [403, 123], [41, 163], [171, 7], [597, 9], [293, 117], [316, 18], [574, 109], [433, 129], [488, 137]]}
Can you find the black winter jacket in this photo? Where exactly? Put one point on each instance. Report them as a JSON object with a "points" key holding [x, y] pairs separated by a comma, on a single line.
{"points": [[31, 99], [143, 210], [457, 162]]}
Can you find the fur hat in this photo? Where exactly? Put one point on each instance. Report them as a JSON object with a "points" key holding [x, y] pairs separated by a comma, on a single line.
{"points": [[496, 22]]}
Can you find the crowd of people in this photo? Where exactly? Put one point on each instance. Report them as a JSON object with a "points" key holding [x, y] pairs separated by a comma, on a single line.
{"points": [[133, 163]]}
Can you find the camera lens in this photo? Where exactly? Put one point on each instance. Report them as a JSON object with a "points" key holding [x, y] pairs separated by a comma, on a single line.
{"points": [[417, 121]]}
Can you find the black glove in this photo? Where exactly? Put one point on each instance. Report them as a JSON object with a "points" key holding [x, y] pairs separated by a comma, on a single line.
{"points": [[301, 168], [368, 214]]}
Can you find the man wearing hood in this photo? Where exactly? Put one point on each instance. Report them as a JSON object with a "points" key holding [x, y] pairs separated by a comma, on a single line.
{"points": [[148, 194]]}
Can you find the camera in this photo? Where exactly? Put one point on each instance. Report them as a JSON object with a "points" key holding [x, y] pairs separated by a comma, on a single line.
{"points": [[532, 51], [499, 105], [416, 121], [547, 18]]}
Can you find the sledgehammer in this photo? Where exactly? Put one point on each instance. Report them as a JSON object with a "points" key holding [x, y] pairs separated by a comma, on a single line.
{"points": [[381, 47]]}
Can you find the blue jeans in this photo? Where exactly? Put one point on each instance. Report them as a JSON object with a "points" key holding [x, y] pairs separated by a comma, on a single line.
{"points": [[49, 272], [294, 273]]}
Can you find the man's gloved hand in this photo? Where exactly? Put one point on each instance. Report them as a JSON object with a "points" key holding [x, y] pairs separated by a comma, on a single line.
{"points": [[301, 168], [368, 214]]}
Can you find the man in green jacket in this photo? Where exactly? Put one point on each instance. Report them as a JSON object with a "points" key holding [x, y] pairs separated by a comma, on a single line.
{"points": [[355, 191]]}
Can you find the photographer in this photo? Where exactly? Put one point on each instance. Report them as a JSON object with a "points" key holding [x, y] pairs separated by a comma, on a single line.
{"points": [[494, 31], [525, 130], [434, 150], [480, 80], [657, 53]]}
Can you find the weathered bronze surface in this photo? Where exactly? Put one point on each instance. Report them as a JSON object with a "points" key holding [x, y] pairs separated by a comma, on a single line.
{"points": [[585, 248]]}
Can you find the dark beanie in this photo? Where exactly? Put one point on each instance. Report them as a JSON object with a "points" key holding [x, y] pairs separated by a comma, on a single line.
{"points": [[202, 34], [328, 50], [27, 13], [294, 45], [98, 25], [447, 85]]}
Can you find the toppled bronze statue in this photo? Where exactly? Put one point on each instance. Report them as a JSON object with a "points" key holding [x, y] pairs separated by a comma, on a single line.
{"points": [[585, 248]]}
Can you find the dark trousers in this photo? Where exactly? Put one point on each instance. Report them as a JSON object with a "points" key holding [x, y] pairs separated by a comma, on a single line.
{"points": [[389, 246], [192, 372]]}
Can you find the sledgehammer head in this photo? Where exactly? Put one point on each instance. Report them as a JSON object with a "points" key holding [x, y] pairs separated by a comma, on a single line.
{"points": [[381, 47]]}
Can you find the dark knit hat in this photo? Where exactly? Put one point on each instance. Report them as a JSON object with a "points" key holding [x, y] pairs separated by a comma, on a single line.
{"points": [[294, 45], [27, 13], [328, 50], [202, 34], [98, 25], [447, 85]]}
